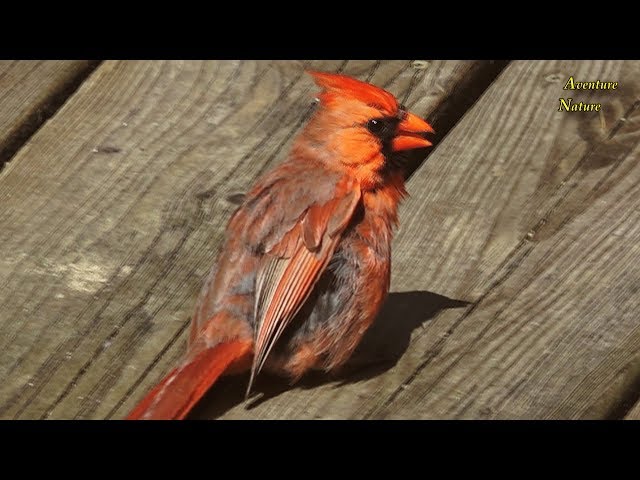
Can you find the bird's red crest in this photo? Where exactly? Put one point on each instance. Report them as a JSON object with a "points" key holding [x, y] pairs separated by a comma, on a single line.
{"points": [[336, 85]]}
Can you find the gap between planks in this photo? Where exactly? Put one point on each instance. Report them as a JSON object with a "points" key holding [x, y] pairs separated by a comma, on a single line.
{"points": [[43, 87], [554, 218]]}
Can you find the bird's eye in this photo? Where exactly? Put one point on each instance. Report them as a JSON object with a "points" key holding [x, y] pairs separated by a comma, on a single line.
{"points": [[376, 127]]}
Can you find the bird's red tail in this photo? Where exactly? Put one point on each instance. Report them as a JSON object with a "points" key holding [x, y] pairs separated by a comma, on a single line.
{"points": [[183, 387]]}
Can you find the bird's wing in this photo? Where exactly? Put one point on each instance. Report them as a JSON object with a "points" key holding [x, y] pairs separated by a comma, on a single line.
{"points": [[291, 267]]}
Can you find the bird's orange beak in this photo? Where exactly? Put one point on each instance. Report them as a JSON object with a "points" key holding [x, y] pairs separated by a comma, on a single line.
{"points": [[411, 132]]}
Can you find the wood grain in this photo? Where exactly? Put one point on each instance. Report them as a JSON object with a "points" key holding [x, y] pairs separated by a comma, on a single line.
{"points": [[29, 92], [531, 215], [115, 208], [551, 333]]}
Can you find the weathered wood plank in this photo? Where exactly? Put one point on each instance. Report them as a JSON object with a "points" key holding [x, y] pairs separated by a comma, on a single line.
{"points": [[114, 210], [555, 332], [29, 91], [557, 335], [515, 211]]}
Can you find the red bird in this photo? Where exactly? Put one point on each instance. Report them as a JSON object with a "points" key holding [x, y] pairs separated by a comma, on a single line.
{"points": [[306, 263]]}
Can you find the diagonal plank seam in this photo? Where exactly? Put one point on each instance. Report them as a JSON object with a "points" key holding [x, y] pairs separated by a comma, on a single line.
{"points": [[630, 397], [515, 258], [43, 112], [451, 110]]}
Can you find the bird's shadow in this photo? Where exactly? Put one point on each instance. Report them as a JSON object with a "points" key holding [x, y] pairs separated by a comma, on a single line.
{"points": [[380, 349]]}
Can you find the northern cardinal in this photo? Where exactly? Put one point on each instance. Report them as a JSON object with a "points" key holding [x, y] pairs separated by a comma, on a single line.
{"points": [[306, 263]]}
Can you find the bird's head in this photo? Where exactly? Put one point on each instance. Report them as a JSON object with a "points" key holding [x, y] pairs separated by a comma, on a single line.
{"points": [[359, 126]]}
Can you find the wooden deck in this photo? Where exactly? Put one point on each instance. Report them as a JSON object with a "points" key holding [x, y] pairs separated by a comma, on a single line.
{"points": [[516, 275]]}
